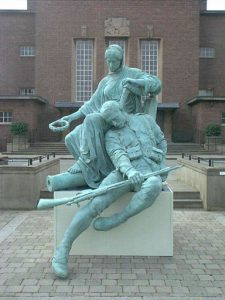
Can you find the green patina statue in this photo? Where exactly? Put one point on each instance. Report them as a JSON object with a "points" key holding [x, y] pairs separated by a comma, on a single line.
{"points": [[119, 139], [86, 142], [136, 147]]}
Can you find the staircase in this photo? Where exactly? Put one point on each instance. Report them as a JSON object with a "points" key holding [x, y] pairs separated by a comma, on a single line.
{"points": [[43, 148], [60, 149], [185, 196], [189, 148]]}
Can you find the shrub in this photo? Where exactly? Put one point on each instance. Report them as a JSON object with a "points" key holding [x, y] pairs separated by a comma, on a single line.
{"points": [[213, 130], [19, 128]]}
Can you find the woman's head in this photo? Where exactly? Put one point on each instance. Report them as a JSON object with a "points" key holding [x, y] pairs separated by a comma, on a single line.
{"points": [[114, 57]]}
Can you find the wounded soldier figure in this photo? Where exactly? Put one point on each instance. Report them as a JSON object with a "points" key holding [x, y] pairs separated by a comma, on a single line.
{"points": [[136, 147]]}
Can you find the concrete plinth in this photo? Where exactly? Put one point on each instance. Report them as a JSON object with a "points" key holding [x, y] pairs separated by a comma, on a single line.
{"points": [[149, 233], [20, 185]]}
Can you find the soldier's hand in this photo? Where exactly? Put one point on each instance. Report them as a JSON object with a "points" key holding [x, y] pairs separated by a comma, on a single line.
{"points": [[135, 177]]}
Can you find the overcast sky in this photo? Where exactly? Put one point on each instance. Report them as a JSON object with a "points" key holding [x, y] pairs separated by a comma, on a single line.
{"points": [[22, 4]]}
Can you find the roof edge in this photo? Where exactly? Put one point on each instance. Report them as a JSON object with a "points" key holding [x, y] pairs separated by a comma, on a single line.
{"points": [[204, 99], [33, 98]]}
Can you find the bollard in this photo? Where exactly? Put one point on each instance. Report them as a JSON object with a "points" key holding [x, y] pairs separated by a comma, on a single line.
{"points": [[199, 160], [189, 157]]}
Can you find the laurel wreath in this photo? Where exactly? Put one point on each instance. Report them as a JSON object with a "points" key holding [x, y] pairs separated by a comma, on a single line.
{"points": [[59, 125]]}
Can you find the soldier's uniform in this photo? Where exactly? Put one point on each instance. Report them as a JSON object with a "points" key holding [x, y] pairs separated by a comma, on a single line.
{"points": [[139, 145]]}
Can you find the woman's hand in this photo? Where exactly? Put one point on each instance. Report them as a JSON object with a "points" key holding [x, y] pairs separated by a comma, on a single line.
{"points": [[66, 118], [129, 81]]}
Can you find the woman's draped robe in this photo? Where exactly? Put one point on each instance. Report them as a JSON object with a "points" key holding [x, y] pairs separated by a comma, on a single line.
{"points": [[86, 141]]}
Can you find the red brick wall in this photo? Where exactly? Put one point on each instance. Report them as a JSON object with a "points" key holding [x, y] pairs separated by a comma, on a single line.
{"points": [[212, 70], [205, 113], [17, 29], [175, 22], [23, 111]]}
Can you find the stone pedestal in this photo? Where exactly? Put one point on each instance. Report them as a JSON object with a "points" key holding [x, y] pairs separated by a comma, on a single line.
{"points": [[149, 233]]}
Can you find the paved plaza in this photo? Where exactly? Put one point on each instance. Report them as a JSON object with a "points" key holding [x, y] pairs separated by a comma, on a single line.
{"points": [[196, 271]]}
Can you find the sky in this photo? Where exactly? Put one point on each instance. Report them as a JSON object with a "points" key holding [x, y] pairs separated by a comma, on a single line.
{"points": [[22, 4]]}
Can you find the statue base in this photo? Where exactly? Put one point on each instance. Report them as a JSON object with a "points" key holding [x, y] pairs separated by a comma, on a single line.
{"points": [[149, 233]]}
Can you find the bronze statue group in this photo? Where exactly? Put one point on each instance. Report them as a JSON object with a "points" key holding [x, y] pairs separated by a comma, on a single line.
{"points": [[118, 140]]}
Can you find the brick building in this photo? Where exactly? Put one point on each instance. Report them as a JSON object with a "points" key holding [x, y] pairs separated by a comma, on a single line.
{"points": [[52, 58]]}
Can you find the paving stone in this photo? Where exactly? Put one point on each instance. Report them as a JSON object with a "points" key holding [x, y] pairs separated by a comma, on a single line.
{"points": [[109, 282], [147, 289], [31, 288], [130, 289], [157, 282], [163, 289], [97, 289], [196, 270], [64, 289]]}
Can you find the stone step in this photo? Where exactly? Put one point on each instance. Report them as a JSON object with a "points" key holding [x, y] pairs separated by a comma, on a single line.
{"points": [[185, 196], [190, 148], [188, 203]]}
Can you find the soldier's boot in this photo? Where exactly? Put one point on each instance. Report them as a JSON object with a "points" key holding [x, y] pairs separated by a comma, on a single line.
{"points": [[80, 222], [60, 261]]}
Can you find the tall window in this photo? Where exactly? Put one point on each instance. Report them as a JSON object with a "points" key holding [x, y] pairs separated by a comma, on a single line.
{"points": [[207, 53], [121, 43], [84, 69], [149, 56], [27, 51], [5, 117]]}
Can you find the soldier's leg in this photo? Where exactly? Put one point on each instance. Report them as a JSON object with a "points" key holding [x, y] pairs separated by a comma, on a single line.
{"points": [[82, 221], [143, 199]]}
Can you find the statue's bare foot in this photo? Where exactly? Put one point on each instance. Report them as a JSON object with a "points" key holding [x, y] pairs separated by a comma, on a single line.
{"points": [[74, 169]]}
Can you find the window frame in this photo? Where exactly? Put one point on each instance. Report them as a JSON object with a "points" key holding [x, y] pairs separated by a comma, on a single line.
{"points": [[206, 52], [7, 118], [152, 55], [82, 69], [27, 51], [27, 91], [223, 118], [206, 93]]}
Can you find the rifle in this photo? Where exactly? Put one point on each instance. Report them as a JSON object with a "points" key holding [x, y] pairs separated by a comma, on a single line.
{"points": [[89, 194]]}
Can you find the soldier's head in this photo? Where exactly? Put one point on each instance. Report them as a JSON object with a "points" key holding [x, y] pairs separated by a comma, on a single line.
{"points": [[113, 114]]}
